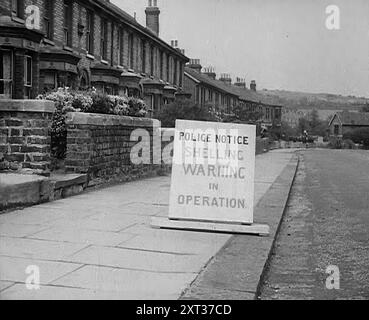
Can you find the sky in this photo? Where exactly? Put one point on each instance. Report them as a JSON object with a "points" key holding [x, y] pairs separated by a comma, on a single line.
{"points": [[282, 44]]}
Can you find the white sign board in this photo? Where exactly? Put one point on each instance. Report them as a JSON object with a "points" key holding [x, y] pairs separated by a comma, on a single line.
{"points": [[213, 172]]}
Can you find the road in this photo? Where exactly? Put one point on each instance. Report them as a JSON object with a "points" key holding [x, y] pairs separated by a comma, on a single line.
{"points": [[326, 223]]}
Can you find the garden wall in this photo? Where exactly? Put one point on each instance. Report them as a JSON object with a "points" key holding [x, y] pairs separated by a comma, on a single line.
{"points": [[100, 146], [24, 135]]}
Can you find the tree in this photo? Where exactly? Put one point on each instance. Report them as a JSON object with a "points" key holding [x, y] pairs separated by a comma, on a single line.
{"points": [[360, 135], [303, 125], [185, 109], [365, 108], [287, 131], [243, 115]]}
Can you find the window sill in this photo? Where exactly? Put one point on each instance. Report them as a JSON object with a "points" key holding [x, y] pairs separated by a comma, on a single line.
{"points": [[48, 41], [90, 56], [19, 20], [104, 61], [67, 48]]}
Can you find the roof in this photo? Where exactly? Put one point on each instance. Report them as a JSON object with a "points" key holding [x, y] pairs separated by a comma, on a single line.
{"points": [[352, 118], [200, 77], [127, 18], [242, 93]]}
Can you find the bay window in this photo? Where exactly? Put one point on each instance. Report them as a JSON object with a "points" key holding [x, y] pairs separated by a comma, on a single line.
{"points": [[6, 73]]}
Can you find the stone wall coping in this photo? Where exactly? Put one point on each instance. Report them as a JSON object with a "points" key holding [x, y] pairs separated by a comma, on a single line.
{"points": [[81, 118], [27, 105]]}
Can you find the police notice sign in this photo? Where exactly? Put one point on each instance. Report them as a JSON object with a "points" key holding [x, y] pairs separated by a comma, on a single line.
{"points": [[213, 172]]}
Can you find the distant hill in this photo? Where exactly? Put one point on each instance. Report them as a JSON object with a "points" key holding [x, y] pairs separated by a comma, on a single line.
{"points": [[319, 101]]}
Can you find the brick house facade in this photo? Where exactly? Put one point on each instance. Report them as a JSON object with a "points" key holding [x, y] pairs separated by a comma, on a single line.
{"points": [[205, 89], [83, 44]]}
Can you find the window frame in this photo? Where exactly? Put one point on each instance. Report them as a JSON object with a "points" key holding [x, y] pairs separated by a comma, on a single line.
{"points": [[336, 129], [49, 19], [8, 80], [17, 8], [143, 55], [27, 74], [68, 22], [104, 40], [90, 27], [131, 50], [120, 46]]}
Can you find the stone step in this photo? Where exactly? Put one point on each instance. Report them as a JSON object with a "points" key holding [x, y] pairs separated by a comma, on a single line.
{"points": [[22, 190]]}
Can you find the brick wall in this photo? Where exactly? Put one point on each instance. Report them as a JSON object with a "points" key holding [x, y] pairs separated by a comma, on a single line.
{"points": [[100, 145], [24, 135]]}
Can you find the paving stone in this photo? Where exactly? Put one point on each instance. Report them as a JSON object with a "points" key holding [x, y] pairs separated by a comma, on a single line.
{"points": [[129, 284], [83, 236], [19, 230], [176, 242], [14, 269], [140, 260], [20, 292], [37, 249], [4, 285]]}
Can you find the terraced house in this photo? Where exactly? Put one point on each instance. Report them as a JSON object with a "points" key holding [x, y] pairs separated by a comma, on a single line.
{"points": [[224, 95], [82, 44]]}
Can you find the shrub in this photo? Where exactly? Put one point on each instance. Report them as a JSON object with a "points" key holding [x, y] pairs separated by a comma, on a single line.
{"points": [[360, 136], [187, 110], [89, 102], [348, 144], [335, 143]]}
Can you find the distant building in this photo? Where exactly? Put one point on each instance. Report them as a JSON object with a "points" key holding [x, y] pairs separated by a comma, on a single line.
{"points": [[86, 43], [293, 116], [206, 89], [343, 122]]}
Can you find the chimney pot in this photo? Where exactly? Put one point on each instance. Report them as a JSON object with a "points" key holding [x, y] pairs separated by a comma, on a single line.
{"points": [[253, 85]]}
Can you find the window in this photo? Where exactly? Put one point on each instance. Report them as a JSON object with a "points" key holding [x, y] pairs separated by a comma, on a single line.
{"points": [[152, 61], [175, 72], [17, 8], [267, 113], [168, 67], [68, 22], [6, 73], [181, 75], [131, 50], [90, 32], [112, 45], [48, 19], [336, 129], [120, 46], [143, 55], [104, 39], [28, 71], [27, 76], [161, 71]]}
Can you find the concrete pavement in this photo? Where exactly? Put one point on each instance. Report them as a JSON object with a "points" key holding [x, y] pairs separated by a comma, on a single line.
{"points": [[99, 245]]}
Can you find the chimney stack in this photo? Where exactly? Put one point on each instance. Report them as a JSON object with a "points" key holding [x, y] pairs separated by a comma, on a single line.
{"points": [[226, 78], [152, 16], [240, 83], [253, 85], [195, 64], [210, 72]]}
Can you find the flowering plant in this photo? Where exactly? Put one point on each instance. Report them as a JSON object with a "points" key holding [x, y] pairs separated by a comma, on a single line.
{"points": [[89, 102]]}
